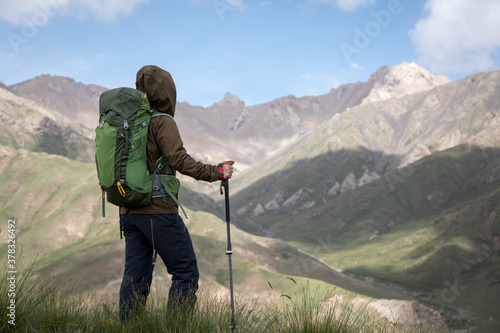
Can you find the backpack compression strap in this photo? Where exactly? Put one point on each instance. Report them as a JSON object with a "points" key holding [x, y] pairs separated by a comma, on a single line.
{"points": [[160, 183]]}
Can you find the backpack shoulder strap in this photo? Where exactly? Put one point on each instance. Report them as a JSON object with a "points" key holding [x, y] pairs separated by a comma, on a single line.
{"points": [[159, 114]]}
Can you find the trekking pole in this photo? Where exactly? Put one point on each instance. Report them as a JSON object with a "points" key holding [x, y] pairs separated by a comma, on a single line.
{"points": [[225, 184]]}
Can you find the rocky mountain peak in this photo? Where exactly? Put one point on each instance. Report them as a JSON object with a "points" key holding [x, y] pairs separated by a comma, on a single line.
{"points": [[398, 81], [73, 99], [230, 100], [55, 83]]}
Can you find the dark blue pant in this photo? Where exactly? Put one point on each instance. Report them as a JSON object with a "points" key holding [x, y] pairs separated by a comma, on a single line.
{"points": [[170, 238]]}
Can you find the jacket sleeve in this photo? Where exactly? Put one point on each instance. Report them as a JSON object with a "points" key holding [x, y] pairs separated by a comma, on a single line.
{"points": [[169, 142]]}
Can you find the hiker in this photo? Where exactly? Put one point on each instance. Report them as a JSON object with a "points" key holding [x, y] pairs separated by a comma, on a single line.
{"points": [[158, 226]]}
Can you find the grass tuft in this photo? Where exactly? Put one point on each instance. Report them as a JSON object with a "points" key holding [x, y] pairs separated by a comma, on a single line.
{"points": [[47, 303]]}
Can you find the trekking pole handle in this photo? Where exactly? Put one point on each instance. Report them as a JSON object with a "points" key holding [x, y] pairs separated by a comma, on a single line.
{"points": [[225, 183]]}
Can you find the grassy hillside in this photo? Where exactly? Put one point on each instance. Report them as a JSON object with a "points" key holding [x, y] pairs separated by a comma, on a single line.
{"points": [[43, 303], [56, 203], [432, 227]]}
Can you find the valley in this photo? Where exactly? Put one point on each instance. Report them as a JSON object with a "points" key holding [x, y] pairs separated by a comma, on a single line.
{"points": [[387, 189]]}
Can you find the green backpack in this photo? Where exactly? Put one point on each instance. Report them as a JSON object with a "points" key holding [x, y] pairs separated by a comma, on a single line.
{"points": [[121, 137]]}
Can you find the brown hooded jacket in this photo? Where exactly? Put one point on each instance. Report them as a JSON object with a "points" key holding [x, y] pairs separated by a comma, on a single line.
{"points": [[164, 138]]}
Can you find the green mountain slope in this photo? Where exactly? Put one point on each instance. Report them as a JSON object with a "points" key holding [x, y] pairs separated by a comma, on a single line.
{"points": [[427, 227]]}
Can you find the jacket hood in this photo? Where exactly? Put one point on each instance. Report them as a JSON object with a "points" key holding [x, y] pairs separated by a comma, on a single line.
{"points": [[159, 87]]}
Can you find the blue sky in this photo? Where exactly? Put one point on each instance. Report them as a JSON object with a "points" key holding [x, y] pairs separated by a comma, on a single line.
{"points": [[257, 50]]}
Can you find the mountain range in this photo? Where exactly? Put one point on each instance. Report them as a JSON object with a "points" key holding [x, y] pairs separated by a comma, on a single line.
{"points": [[388, 188], [251, 132]]}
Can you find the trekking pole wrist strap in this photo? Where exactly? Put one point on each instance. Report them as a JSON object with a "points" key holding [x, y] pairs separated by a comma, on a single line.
{"points": [[220, 167]]}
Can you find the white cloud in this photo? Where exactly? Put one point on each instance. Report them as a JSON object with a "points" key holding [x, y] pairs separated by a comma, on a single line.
{"points": [[349, 5], [356, 66], [106, 10], [458, 35], [39, 12]]}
